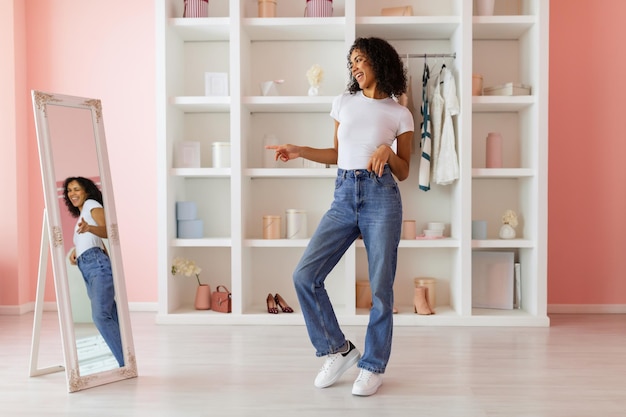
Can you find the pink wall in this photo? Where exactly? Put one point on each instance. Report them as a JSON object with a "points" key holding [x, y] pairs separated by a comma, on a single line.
{"points": [[587, 169], [14, 273], [106, 49]]}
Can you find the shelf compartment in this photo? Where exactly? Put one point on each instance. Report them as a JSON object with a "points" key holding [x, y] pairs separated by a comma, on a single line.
{"points": [[408, 27], [491, 173], [202, 243], [496, 104], [501, 27], [201, 172], [276, 243], [296, 28], [201, 104], [294, 173], [198, 29], [288, 104], [502, 243]]}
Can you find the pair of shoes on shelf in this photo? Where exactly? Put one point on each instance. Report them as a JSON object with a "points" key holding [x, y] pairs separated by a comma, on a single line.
{"points": [[277, 300], [335, 365]]}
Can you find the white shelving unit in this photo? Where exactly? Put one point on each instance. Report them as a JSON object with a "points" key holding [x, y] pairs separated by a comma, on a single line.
{"points": [[509, 46]]}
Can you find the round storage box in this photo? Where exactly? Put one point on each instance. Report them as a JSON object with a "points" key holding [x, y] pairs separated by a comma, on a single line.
{"points": [[271, 227], [296, 224], [221, 155]]}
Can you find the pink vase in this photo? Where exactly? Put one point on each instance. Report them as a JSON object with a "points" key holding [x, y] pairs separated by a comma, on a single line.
{"points": [[494, 150], [203, 297]]}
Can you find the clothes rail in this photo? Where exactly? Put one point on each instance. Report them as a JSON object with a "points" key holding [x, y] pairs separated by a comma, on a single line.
{"points": [[451, 55]]}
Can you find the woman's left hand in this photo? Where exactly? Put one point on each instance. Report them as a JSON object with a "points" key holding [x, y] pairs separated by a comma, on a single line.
{"points": [[379, 159]]}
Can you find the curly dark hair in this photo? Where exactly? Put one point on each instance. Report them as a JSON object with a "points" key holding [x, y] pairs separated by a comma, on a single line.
{"points": [[386, 63], [92, 190]]}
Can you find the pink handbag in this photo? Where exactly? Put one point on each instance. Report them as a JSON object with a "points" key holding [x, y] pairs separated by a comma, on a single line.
{"points": [[221, 300]]}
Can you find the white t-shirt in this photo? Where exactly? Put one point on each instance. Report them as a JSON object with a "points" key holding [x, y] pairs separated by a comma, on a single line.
{"points": [[365, 124], [84, 241]]}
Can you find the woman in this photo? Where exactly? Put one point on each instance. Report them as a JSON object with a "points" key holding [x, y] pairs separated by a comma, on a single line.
{"points": [[84, 201], [366, 203]]}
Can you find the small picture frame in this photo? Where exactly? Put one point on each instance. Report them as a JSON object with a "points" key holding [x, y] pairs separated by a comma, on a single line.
{"points": [[216, 84], [187, 155]]}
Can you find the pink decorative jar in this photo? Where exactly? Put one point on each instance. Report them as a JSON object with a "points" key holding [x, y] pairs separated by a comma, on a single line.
{"points": [[318, 8], [494, 150], [196, 8]]}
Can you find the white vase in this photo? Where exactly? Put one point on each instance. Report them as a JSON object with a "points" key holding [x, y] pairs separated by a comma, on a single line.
{"points": [[507, 232], [313, 91], [484, 7]]}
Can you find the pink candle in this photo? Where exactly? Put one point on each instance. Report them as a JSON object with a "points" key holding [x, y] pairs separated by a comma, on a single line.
{"points": [[494, 150]]}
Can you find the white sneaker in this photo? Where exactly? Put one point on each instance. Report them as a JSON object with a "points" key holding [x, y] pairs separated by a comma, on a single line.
{"points": [[335, 365], [367, 383]]}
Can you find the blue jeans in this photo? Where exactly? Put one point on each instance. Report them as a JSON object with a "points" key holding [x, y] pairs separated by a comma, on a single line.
{"points": [[366, 205], [95, 266]]}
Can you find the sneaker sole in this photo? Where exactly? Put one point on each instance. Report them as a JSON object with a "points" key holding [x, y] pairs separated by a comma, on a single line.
{"points": [[367, 393], [353, 358]]}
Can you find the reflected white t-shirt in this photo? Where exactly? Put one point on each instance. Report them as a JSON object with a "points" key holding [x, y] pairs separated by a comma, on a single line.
{"points": [[84, 241], [365, 124]]}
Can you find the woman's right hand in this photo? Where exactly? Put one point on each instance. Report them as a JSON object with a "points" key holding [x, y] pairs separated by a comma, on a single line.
{"points": [[285, 152]]}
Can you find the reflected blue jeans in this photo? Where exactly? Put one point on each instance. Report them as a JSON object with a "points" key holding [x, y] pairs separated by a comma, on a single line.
{"points": [[95, 266], [366, 205]]}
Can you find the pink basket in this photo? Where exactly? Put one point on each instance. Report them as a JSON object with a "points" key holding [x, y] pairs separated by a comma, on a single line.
{"points": [[318, 8], [196, 8]]}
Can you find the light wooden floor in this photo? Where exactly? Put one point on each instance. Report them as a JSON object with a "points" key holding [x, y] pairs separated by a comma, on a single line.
{"points": [[575, 368]]}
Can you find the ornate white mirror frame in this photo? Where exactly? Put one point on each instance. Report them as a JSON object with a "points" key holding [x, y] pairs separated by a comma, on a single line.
{"points": [[70, 133]]}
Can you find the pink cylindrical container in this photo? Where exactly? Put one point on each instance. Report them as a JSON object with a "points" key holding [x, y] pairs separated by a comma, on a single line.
{"points": [[409, 229], [318, 8], [494, 150], [477, 85], [267, 8], [196, 8], [271, 227]]}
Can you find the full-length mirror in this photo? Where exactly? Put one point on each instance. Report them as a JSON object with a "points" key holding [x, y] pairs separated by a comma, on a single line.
{"points": [[84, 241]]}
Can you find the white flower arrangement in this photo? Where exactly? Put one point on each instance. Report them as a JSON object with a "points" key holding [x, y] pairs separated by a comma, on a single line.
{"points": [[315, 75], [186, 267], [509, 217]]}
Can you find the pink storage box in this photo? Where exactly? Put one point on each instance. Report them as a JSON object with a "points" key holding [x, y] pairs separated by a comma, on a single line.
{"points": [[318, 8], [196, 8]]}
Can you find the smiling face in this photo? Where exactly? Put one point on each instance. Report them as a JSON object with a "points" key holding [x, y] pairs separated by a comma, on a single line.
{"points": [[363, 72], [76, 194]]}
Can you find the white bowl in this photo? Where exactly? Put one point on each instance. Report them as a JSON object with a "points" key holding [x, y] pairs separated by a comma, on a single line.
{"points": [[433, 233], [436, 226]]}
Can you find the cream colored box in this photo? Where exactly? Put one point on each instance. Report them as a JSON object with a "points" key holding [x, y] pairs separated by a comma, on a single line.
{"points": [[508, 89], [397, 11], [216, 84]]}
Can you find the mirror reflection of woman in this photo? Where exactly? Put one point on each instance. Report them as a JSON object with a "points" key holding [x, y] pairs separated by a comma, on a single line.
{"points": [[84, 202]]}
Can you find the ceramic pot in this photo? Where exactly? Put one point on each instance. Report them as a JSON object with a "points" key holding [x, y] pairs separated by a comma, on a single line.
{"points": [[203, 297], [507, 232], [494, 150], [484, 7]]}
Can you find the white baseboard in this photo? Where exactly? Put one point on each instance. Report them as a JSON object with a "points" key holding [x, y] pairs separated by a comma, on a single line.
{"points": [[29, 307], [586, 308], [17, 310]]}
